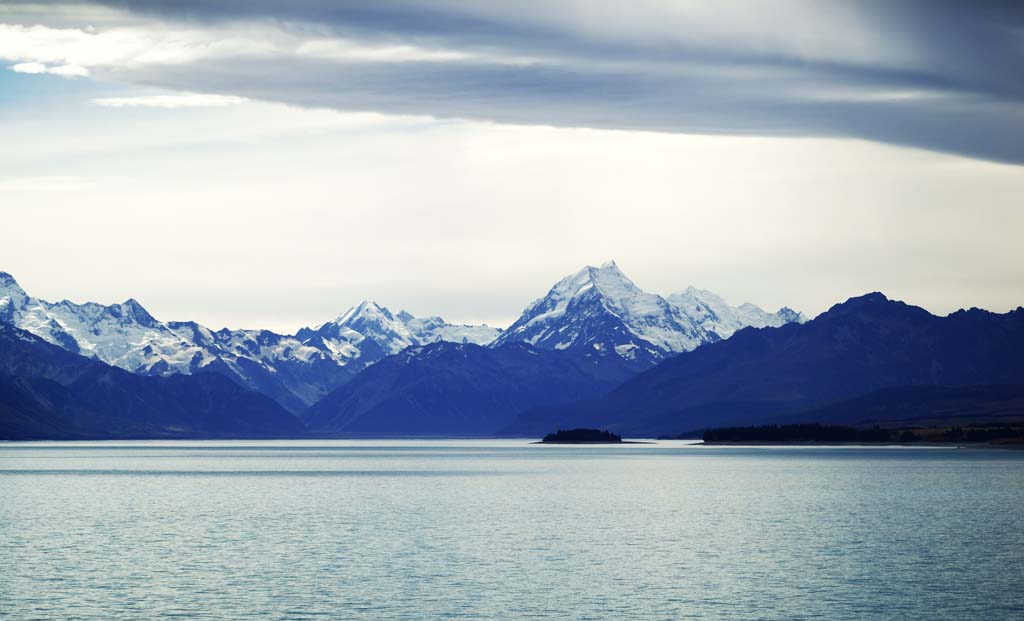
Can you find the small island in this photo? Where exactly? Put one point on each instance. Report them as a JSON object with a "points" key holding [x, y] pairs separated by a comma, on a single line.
{"points": [[581, 436]]}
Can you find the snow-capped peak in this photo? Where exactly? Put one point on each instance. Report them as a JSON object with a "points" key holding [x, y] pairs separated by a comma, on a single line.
{"points": [[433, 329], [297, 370], [598, 308], [369, 321], [788, 315], [131, 310], [392, 333], [364, 311], [716, 315], [608, 279], [7, 282], [601, 308], [12, 297]]}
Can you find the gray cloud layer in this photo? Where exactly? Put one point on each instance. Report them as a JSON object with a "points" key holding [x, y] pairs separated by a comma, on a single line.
{"points": [[946, 76]]}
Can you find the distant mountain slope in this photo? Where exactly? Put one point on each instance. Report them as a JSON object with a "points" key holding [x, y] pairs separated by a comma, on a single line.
{"points": [[47, 392], [863, 345], [461, 389], [923, 405], [601, 309], [36, 409], [294, 370], [369, 331], [714, 314], [598, 309]]}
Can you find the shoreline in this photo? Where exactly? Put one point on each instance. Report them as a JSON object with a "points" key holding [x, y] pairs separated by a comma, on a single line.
{"points": [[953, 445], [592, 442]]}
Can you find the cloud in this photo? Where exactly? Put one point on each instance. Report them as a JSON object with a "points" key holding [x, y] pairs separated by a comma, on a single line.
{"points": [[193, 100], [52, 183], [141, 45], [68, 71], [337, 49], [136, 45], [938, 75], [272, 213]]}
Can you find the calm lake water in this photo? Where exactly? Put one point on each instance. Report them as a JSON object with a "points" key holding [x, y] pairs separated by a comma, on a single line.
{"points": [[506, 530]]}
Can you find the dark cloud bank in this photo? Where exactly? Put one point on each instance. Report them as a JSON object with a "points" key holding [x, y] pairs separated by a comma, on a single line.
{"points": [[945, 76]]}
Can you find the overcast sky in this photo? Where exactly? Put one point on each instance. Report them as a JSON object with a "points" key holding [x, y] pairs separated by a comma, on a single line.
{"points": [[247, 163]]}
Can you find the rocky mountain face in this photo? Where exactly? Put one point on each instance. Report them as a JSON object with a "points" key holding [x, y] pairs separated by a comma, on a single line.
{"points": [[47, 392], [600, 308], [453, 389], [296, 370], [714, 314], [596, 351], [591, 331], [863, 345]]}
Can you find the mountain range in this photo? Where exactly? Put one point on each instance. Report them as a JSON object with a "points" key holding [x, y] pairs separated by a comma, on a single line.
{"points": [[48, 392], [595, 308], [457, 389], [602, 309], [595, 350], [295, 370], [801, 372]]}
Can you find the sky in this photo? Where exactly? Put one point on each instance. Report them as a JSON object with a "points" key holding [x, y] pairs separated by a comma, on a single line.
{"points": [[246, 163]]}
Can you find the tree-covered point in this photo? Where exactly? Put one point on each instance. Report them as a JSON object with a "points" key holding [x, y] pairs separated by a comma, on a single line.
{"points": [[983, 433], [582, 435], [805, 433], [837, 433]]}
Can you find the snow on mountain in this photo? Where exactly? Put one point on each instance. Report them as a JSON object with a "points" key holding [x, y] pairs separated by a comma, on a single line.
{"points": [[600, 307], [714, 314], [376, 332], [433, 329], [124, 335], [367, 331], [597, 308], [297, 370]]}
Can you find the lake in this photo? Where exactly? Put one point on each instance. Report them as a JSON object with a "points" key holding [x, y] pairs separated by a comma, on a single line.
{"points": [[482, 529]]}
